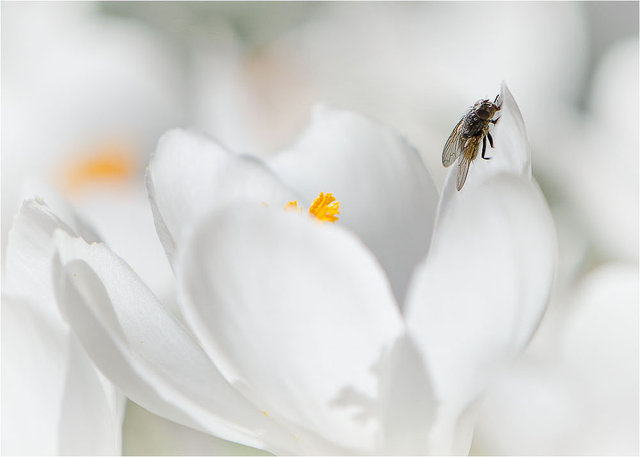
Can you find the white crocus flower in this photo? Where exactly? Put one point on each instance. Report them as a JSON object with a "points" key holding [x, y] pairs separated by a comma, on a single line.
{"points": [[54, 401], [365, 336]]}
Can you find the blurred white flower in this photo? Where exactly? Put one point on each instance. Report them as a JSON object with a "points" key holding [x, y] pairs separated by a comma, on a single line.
{"points": [[413, 66], [248, 101], [367, 336], [98, 91], [577, 385], [592, 165], [54, 401]]}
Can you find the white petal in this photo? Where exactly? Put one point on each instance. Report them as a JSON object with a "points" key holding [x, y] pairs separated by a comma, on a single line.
{"points": [[511, 142], [64, 389], [296, 314], [477, 299], [28, 263], [386, 194], [40, 191], [89, 423], [408, 401], [136, 241], [49, 388], [191, 174], [33, 366], [143, 349]]}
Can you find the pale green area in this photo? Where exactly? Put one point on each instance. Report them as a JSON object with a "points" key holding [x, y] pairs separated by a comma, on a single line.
{"points": [[145, 433]]}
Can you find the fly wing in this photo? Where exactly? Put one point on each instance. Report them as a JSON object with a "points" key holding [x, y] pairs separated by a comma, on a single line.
{"points": [[463, 169], [453, 146], [470, 147]]}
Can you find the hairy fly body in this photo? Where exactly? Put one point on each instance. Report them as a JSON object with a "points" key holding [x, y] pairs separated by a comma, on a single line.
{"points": [[472, 130]]}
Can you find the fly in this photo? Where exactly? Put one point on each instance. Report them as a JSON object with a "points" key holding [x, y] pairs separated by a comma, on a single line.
{"points": [[464, 141]]}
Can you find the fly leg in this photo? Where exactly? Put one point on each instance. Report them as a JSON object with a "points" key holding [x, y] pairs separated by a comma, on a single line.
{"points": [[484, 148], [498, 101], [484, 145]]}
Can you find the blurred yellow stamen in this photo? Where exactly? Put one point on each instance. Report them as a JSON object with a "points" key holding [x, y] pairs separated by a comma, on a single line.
{"points": [[293, 206], [112, 162], [324, 208]]}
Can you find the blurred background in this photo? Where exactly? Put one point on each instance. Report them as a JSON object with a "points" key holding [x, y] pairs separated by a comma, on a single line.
{"points": [[88, 88]]}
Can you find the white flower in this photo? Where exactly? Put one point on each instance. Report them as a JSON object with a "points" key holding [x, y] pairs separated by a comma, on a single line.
{"points": [[98, 90], [54, 401], [364, 336], [592, 163]]}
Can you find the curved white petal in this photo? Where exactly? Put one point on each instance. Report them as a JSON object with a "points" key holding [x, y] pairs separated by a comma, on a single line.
{"points": [[53, 400], [298, 315], [31, 404], [27, 272], [408, 402], [386, 194], [40, 191], [90, 422], [51, 391], [127, 226], [491, 263], [144, 350], [478, 297], [190, 174]]}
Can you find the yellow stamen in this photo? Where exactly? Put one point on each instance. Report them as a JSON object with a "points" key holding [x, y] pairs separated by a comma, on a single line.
{"points": [[324, 208]]}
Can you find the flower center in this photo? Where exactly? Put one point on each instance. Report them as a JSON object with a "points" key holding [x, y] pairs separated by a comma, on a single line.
{"points": [[110, 162], [324, 208]]}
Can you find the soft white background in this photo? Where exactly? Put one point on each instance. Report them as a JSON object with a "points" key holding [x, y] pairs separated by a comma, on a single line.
{"points": [[77, 75]]}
